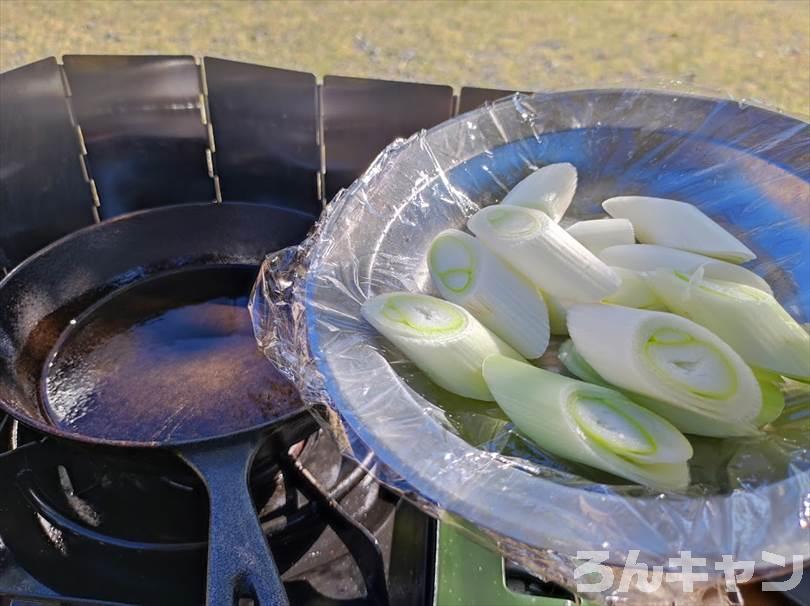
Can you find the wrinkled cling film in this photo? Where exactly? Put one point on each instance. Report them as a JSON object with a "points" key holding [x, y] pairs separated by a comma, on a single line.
{"points": [[745, 166]]}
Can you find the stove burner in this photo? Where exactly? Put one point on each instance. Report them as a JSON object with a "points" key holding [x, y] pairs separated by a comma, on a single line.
{"points": [[131, 526]]}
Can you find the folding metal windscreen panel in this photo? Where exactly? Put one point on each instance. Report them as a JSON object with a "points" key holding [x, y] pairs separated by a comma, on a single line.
{"points": [[43, 195], [104, 135]]}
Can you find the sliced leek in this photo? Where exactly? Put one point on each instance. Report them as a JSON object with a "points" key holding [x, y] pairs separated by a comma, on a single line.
{"points": [[748, 319], [668, 358], [549, 189], [447, 343], [649, 257], [543, 252], [773, 400], [468, 274], [634, 291], [696, 423], [598, 234], [679, 225], [577, 365], [557, 313], [688, 421], [590, 424]]}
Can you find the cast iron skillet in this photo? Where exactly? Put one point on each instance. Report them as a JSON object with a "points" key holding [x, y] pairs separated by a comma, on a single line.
{"points": [[70, 295]]}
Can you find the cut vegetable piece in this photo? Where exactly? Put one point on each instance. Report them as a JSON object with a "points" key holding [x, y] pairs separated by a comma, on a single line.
{"points": [[549, 189], [773, 400], [696, 423], [634, 291], [666, 357], [679, 225], [748, 319], [687, 421], [468, 274], [796, 414], [578, 366], [543, 252], [649, 257], [590, 424], [598, 234], [441, 338], [557, 313]]}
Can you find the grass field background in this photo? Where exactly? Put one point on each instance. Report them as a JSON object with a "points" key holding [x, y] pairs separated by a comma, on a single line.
{"points": [[748, 49]]}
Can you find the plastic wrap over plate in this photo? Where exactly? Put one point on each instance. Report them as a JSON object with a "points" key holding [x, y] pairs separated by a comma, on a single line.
{"points": [[745, 166]]}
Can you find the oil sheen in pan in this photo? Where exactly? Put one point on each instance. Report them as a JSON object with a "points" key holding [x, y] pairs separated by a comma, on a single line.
{"points": [[169, 358]]}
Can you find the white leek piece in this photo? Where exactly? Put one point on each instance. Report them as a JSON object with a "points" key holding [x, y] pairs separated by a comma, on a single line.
{"points": [[696, 423], [688, 421], [598, 234], [557, 313], [666, 357], [441, 338], [590, 424], [649, 257], [468, 274], [543, 252], [634, 291], [773, 400], [678, 225], [749, 320], [549, 189], [577, 365]]}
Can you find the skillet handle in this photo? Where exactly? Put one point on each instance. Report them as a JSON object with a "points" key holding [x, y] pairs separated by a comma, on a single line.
{"points": [[239, 560]]}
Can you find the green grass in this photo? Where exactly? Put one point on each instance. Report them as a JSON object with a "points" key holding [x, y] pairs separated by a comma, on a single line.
{"points": [[748, 49]]}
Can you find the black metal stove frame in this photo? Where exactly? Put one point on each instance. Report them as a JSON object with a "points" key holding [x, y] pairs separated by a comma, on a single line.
{"points": [[59, 553]]}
